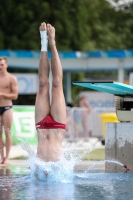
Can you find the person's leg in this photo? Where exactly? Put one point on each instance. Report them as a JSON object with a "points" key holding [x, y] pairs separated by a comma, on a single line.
{"points": [[42, 105], [85, 124], [58, 106], [7, 118], [1, 142]]}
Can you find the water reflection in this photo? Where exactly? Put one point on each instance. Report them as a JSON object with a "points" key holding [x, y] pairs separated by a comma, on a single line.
{"points": [[15, 186], [16, 183], [85, 191], [5, 192], [105, 186], [59, 191], [5, 171]]}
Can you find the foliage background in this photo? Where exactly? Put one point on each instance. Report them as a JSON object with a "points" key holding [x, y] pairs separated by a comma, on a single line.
{"points": [[81, 25]]}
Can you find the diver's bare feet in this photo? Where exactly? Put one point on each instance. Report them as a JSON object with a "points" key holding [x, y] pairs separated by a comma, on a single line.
{"points": [[42, 27], [51, 34], [5, 161], [44, 37]]}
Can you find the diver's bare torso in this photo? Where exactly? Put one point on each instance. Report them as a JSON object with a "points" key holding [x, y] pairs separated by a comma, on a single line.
{"points": [[49, 144]]}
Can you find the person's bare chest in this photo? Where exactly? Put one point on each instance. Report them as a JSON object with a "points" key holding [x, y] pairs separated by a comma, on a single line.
{"points": [[5, 83]]}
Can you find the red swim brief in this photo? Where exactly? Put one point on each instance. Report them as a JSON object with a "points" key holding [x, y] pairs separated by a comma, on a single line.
{"points": [[49, 123]]}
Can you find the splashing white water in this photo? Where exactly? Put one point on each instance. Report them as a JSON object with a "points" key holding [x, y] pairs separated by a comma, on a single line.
{"points": [[91, 168], [62, 170]]}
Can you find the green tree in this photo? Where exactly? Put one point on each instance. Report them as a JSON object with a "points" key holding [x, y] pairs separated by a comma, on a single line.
{"points": [[81, 25]]}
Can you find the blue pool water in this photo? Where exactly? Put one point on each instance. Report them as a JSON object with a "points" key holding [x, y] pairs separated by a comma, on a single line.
{"points": [[63, 182], [16, 184]]}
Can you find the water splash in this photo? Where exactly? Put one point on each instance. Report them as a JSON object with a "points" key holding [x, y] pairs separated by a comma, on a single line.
{"points": [[91, 168], [63, 169], [60, 171]]}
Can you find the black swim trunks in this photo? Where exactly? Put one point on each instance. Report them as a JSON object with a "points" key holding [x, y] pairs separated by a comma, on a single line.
{"points": [[4, 108]]}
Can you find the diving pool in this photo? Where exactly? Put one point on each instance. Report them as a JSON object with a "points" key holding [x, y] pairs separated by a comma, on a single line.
{"points": [[18, 183]]}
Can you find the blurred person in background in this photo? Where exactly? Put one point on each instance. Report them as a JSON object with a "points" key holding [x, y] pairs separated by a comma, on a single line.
{"points": [[50, 116], [84, 103], [77, 121], [8, 92], [68, 120]]}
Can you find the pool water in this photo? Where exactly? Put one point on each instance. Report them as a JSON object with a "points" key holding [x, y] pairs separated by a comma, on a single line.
{"points": [[38, 180], [16, 183]]}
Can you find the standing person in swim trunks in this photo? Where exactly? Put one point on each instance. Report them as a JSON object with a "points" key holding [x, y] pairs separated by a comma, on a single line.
{"points": [[8, 92], [50, 117]]}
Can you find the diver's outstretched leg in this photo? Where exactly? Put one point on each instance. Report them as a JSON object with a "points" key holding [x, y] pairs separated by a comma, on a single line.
{"points": [[58, 106], [42, 105]]}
